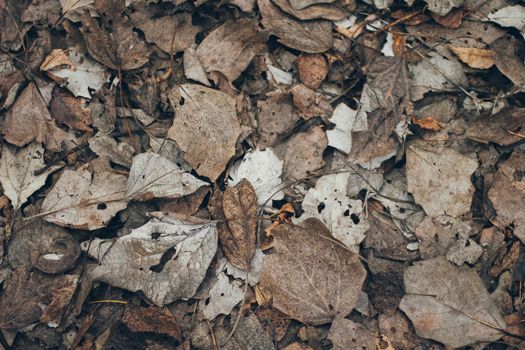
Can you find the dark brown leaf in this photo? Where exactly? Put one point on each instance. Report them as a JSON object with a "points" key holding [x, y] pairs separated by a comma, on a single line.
{"points": [[309, 103], [71, 111], [151, 320], [504, 128]]}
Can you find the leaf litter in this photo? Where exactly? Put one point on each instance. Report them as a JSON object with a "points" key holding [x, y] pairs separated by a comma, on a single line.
{"points": [[271, 174]]}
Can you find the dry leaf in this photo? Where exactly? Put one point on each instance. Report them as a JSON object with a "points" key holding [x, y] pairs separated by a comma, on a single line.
{"points": [[346, 335], [107, 147], [29, 120], [86, 198], [341, 136], [206, 127], [428, 123], [503, 128], [73, 9], [307, 36], [301, 4], [312, 70], [510, 16], [193, 67], [309, 103], [507, 193], [61, 296], [17, 172], [166, 258], [312, 277], [443, 7], [452, 20], [153, 176], [323, 10], [508, 59], [222, 298], [276, 117], [329, 202], [151, 320], [274, 321], [71, 111], [450, 305], [231, 47], [475, 58], [439, 179]]}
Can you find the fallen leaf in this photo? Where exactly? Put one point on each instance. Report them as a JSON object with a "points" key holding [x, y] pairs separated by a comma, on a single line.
{"points": [[510, 16], [428, 123], [153, 176], [151, 320], [193, 67], [42, 11], [206, 127], [86, 198], [301, 4], [503, 128], [507, 193], [29, 120], [344, 217], [276, 118], [341, 136], [250, 276], [312, 277], [263, 169], [222, 298], [166, 258], [309, 103], [303, 153], [453, 19], [17, 172], [120, 49], [450, 305], [118, 152], [475, 58], [274, 321], [312, 70], [508, 61], [322, 10], [443, 7], [346, 335], [73, 9], [171, 34], [71, 111], [398, 333], [75, 71], [231, 47], [307, 36], [61, 296], [439, 179]]}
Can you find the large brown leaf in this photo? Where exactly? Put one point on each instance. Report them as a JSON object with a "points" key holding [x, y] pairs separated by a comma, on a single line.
{"points": [[312, 277]]}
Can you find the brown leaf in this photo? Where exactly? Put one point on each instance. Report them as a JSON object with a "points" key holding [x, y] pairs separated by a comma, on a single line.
{"points": [[504, 128], [312, 277], [322, 10], [239, 204], [274, 321], [308, 36], [452, 20], [312, 70], [346, 335], [118, 48], [475, 58], [428, 123], [151, 320], [231, 47], [409, 19], [29, 120], [60, 299], [309, 103], [508, 61], [507, 194], [276, 117], [71, 111]]}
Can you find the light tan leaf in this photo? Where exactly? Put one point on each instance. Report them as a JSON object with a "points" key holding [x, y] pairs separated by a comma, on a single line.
{"points": [[206, 127], [193, 68], [474, 57], [312, 277]]}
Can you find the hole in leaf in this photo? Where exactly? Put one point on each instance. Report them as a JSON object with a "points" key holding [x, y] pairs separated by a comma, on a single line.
{"points": [[347, 212], [102, 206], [168, 254], [181, 101], [320, 207], [355, 218]]}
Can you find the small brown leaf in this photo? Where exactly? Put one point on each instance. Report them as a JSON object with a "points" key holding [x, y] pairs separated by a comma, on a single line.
{"points": [[452, 20], [310, 104], [151, 320], [428, 123], [473, 57], [71, 111], [312, 69]]}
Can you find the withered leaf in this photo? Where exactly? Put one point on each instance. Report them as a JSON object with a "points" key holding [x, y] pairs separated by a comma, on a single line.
{"points": [[310, 104], [239, 204], [71, 111], [308, 36], [312, 277], [231, 47], [119, 49], [205, 127], [312, 69], [474, 57], [503, 128], [276, 117], [29, 120], [151, 320], [318, 10]]}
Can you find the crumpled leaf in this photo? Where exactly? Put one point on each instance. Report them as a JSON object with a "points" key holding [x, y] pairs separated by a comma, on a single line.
{"points": [[323, 10], [17, 172], [75, 71], [311, 277], [450, 305], [29, 120], [86, 198], [346, 335], [510, 16], [166, 258], [153, 176], [474, 57], [443, 7], [495, 128], [120, 49], [307, 36], [439, 178], [507, 193], [222, 298], [118, 152], [151, 320], [341, 136], [303, 153], [206, 127], [263, 169], [329, 202], [171, 34], [231, 47]]}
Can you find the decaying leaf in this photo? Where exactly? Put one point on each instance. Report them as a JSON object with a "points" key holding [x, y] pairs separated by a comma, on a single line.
{"points": [[86, 198], [443, 7], [253, 275], [205, 127], [70, 111], [309, 103], [263, 169], [510, 16], [312, 70], [151, 320], [223, 297], [118, 152], [507, 193], [346, 335], [329, 202], [17, 172], [439, 178], [450, 305], [508, 59], [73, 9], [323, 10], [503, 128], [308, 36], [311, 277], [166, 258], [276, 117], [29, 120], [474, 57], [153, 176], [231, 47], [341, 136], [193, 67]]}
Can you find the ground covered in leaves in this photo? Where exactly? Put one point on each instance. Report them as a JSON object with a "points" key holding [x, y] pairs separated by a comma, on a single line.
{"points": [[262, 174]]}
